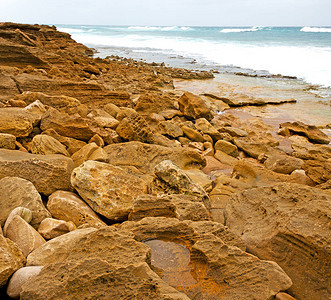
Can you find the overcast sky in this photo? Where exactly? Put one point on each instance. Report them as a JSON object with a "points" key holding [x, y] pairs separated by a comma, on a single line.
{"points": [[169, 12]]}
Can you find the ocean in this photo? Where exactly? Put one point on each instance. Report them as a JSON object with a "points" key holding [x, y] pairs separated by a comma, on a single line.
{"points": [[302, 52]]}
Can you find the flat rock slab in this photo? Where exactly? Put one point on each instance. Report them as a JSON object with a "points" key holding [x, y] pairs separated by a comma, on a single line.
{"points": [[109, 190], [48, 173], [286, 223]]}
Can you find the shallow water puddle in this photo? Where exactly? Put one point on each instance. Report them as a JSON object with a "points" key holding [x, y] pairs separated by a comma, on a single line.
{"points": [[172, 262]]}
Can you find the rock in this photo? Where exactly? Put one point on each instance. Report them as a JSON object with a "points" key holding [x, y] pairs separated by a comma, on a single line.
{"points": [[193, 134], [153, 103], [19, 278], [225, 158], [109, 190], [210, 246], [98, 140], [145, 157], [183, 207], [7, 141], [103, 119], [36, 107], [252, 148], [256, 175], [23, 235], [283, 164], [11, 258], [135, 128], [313, 134], [305, 150], [286, 223], [48, 173], [68, 206], [112, 109], [170, 129], [16, 121], [72, 126], [45, 144], [97, 279], [88, 152], [227, 148], [173, 180], [194, 107], [17, 192], [200, 178], [51, 228], [72, 145], [24, 213], [283, 296], [318, 171], [234, 131], [204, 126]]}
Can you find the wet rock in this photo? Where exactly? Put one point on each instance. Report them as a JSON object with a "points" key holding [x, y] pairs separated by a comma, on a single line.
{"points": [[51, 228], [23, 235], [135, 128], [194, 107], [48, 173], [227, 148], [72, 126], [286, 223], [313, 134], [19, 278], [108, 190], [209, 246], [68, 206], [7, 141], [11, 258], [45, 144], [17, 192], [145, 157], [173, 180]]}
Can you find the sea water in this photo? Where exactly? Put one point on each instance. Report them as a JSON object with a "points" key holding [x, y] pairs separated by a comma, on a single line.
{"points": [[303, 52]]}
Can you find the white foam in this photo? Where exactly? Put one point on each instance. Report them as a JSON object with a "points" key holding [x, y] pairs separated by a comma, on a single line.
{"points": [[70, 30], [235, 30], [277, 59], [315, 29], [159, 28]]}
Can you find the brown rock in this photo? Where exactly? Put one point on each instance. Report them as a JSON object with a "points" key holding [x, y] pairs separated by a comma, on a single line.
{"points": [[170, 129], [145, 157], [233, 131], [204, 126], [286, 223], [314, 134], [98, 140], [48, 173], [153, 103], [103, 119], [19, 278], [23, 235], [283, 296], [252, 148], [24, 213], [200, 178], [51, 228], [193, 134], [305, 150], [227, 148], [72, 126], [109, 190], [11, 258], [45, 144], [194, 107], [68, 206], [225, 158], [17, 192], [135, 128], [84, 154], [283, 164], [318, 171], [7, 141], [112, 109]]}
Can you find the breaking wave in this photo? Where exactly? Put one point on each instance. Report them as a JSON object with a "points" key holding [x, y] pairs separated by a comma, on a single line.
{"points": [[159, 28], [231, 30], [315, 29]]}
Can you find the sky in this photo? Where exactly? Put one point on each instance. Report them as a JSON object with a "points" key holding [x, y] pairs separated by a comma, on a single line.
{"points": [[169, 12]]}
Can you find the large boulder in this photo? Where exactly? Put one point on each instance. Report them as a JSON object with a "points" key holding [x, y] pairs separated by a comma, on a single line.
{"points": [[286, 223], [68, 206], [145, 157], [18, 192], [212, 254], [109, 190], [11, 259], [7, 141], [194, 107], [48, 173]]}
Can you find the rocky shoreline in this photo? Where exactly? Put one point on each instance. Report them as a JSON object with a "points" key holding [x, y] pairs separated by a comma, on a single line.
{"points": [[114, 184]]}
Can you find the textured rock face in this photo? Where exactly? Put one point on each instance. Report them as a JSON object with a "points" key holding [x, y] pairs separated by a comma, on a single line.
{"points": [[7, 141], [15, 121], [311, 132], [11, 259], [18, 192], [71, 126], [51, 228], [149, 103], [284, 164], [45, 144], [109, 190], [212, 247], [48, 173], [89, 152], [145, 157], [68, 206], [226, 147], [23, 235], [286, 223], [194, 107]]}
